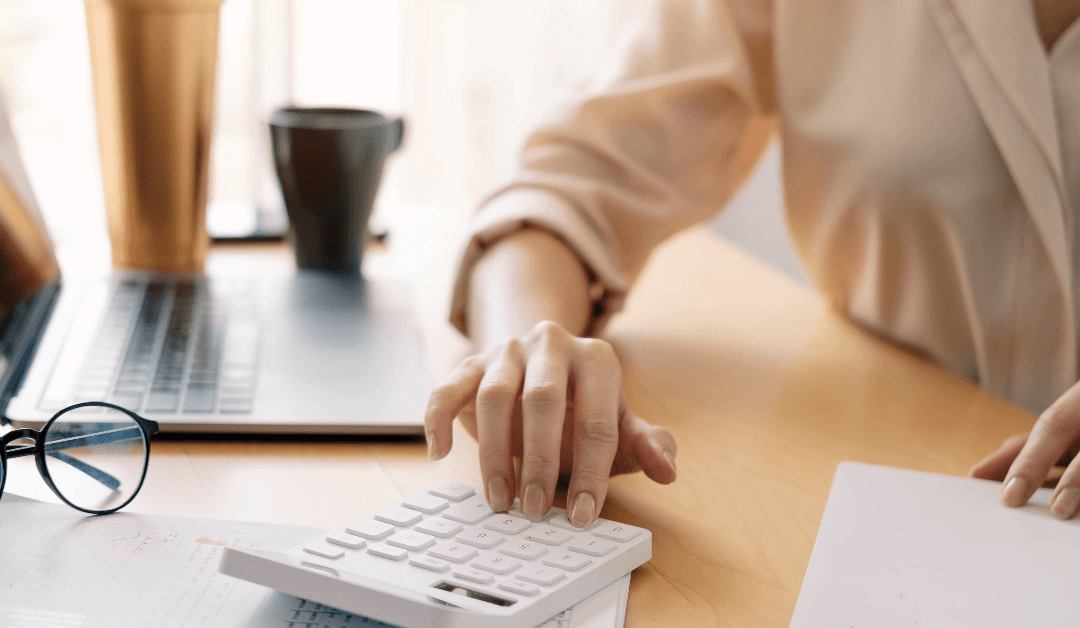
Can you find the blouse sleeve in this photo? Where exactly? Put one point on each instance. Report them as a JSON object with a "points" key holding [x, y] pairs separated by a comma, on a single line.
{"points": [[657, 143]]}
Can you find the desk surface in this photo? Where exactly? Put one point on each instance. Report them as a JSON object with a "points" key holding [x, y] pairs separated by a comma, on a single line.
{"points": [[765, 388]]}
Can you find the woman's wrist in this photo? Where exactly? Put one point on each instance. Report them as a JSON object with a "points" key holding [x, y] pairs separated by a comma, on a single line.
{"points": [[524, 278]]}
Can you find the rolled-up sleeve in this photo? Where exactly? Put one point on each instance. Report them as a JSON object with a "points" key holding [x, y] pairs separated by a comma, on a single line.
{"points": [[657, 143]]}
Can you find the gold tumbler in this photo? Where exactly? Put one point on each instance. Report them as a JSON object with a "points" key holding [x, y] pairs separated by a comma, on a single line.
{"points": [[154, 64]]}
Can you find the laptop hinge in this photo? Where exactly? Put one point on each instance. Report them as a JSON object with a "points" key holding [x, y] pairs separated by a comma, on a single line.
{"points": [[25, 330]]}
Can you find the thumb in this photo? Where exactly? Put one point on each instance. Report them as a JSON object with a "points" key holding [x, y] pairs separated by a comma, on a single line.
{"points": [[645, 447]]}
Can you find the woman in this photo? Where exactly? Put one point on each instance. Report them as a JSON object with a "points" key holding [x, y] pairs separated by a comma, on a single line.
{"points": [[932, 174]]}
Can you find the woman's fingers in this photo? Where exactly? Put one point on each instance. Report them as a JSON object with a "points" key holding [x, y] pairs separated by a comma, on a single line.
{"points": [[996, 465], [543, 411], [446, 401], [597, 381], [644, 447], [1065, 502], [1054, 434], [517, 396], [496, 397]]}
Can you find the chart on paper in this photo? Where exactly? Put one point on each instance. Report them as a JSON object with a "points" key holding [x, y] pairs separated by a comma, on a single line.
{"points": [[157, 577], [60, 568]]}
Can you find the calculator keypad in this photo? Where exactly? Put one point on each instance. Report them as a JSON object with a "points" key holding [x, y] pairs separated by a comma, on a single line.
{"points": [[507, 524], [570, 561], [452, 490], [453, 552], [471, 511], [496, 564], [440, 527], [398, 516], [387, 551], [450, 530], [370, 529], [525, 550], [478, 537], [549, 535], [430, 563], [412, 541], [473, 574]]}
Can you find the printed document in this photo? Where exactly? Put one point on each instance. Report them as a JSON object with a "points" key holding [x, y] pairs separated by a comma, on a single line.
{"points": [[60, 568]]}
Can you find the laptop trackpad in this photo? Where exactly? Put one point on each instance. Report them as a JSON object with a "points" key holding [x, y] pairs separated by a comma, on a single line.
{"points": [[347, 349]]}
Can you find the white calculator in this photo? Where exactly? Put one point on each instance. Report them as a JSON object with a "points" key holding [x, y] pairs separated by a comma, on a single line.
{"points": [[442, 558]]}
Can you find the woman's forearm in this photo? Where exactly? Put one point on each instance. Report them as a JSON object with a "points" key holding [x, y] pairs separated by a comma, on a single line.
{"points": [[527, 277]]}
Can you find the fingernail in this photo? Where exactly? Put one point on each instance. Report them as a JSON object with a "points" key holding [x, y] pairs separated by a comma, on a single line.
{"points": [[670, 461], [533, 501], [1014, 492], [1066, 503], [581, 514], [499, 494], [664, 453], [432, 446]]}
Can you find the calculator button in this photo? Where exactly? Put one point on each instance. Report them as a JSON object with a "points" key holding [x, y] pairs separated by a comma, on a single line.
{"points": [[562, 521], [484, 539], [496, 564], [473, 575], [412, 541], [524, 588], [429, 562], [591, 546], [398, 516], [453, 552], [370, 530], [524, 550], [615, 532], [386, 551], [548, 535], [452, 490], [546, 576], [470, 511], [567, 561], [344, 539], [428, 504], [507, 524], [325, 550], [437, 526]]}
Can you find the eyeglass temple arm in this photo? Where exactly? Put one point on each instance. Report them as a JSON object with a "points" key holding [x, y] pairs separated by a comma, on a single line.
{"points": [[53, 448]]}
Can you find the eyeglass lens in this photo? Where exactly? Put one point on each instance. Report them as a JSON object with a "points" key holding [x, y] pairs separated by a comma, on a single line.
{"points": [[96, 457]]}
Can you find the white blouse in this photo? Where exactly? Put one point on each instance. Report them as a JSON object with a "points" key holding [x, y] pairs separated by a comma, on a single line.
{"points": [[931, 167]]}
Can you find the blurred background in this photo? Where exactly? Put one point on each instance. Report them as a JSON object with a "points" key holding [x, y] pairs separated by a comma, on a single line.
{"points": [[470, 77]]}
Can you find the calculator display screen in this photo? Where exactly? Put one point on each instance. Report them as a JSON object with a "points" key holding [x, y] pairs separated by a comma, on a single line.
{"points": [[457, 589]]}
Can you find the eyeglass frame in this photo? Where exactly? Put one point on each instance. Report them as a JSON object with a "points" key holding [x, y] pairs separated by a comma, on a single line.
{"points": [[147, 427]]}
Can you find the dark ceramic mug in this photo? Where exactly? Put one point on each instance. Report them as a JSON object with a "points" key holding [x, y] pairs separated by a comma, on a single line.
{"points": [[329, 163]]}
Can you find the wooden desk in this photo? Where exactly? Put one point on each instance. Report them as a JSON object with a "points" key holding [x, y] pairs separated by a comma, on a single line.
{"points": [[765, 388]]}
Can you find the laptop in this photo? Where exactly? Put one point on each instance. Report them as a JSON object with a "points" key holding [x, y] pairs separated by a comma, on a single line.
{"points": [[299, 353]]}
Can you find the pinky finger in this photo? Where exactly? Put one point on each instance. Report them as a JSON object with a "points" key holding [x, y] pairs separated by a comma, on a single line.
{"points": [[446, 401]]}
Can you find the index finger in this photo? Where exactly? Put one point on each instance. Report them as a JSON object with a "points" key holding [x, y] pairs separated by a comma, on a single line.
{"points": [[1054, 433], [597, 380]]}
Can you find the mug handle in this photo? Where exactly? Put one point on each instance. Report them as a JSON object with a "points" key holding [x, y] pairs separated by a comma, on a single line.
{"points": [[395, 134]]}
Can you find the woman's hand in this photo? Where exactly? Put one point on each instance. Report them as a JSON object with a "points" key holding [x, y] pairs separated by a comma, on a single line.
{"points": [[554, 400], [1027, 461]]}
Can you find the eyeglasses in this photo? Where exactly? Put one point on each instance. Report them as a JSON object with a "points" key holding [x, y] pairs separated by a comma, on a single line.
{"points": [[93, 455]]}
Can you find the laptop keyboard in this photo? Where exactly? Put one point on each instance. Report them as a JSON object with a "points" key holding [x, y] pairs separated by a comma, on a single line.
{"points": [[166, 346]]}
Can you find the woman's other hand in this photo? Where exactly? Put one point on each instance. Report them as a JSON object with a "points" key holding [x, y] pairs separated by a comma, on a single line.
{"points": [[1027, 461]]}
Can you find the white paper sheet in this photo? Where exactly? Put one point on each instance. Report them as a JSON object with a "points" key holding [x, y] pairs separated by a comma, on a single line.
{"points": [[906, 548], [62, 569]]}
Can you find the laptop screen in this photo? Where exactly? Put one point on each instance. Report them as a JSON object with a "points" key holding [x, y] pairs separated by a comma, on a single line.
{"points": [[27, 261], [28, 269]]}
